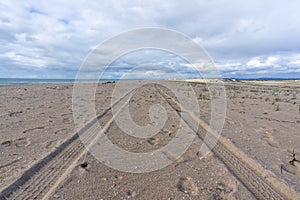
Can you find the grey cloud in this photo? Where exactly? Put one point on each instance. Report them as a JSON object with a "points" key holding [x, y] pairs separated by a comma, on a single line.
{"points": [[46, 36]]}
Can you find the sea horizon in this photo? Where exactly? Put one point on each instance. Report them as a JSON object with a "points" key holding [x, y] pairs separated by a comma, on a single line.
{"points": [[30, 81]]}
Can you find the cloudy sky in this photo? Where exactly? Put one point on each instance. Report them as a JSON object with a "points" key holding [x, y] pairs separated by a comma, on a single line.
{"points": [[245, 39]]}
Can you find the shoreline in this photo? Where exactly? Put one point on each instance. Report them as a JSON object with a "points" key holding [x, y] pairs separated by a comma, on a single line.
{"points": [[30, 81]]}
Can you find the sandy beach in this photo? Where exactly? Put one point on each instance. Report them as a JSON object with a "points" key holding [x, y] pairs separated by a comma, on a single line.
{"points": [[42, 157]]}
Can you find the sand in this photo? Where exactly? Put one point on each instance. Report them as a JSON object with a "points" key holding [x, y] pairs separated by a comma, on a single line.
{"points": [[261, 131]]}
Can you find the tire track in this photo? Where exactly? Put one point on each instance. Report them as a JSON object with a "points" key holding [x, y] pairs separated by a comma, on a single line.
{"points": [[259, 181], [40, 180]]}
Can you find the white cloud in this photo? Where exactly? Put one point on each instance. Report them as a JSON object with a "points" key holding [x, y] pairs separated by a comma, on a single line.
{"points": [[270, 61], [239, 36]]}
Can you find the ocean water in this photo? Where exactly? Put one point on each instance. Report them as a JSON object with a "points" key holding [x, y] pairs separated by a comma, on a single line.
{"points": [[22, 81]]}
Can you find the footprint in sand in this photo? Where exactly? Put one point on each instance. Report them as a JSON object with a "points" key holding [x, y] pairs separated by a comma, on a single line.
{"points": [[167, 132], [6, 143], [10, 163], [34, 129], [153, 141], [50, 144], [22, 142], [66, 114], [268, 138], [67, 120], [60, 131]]}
